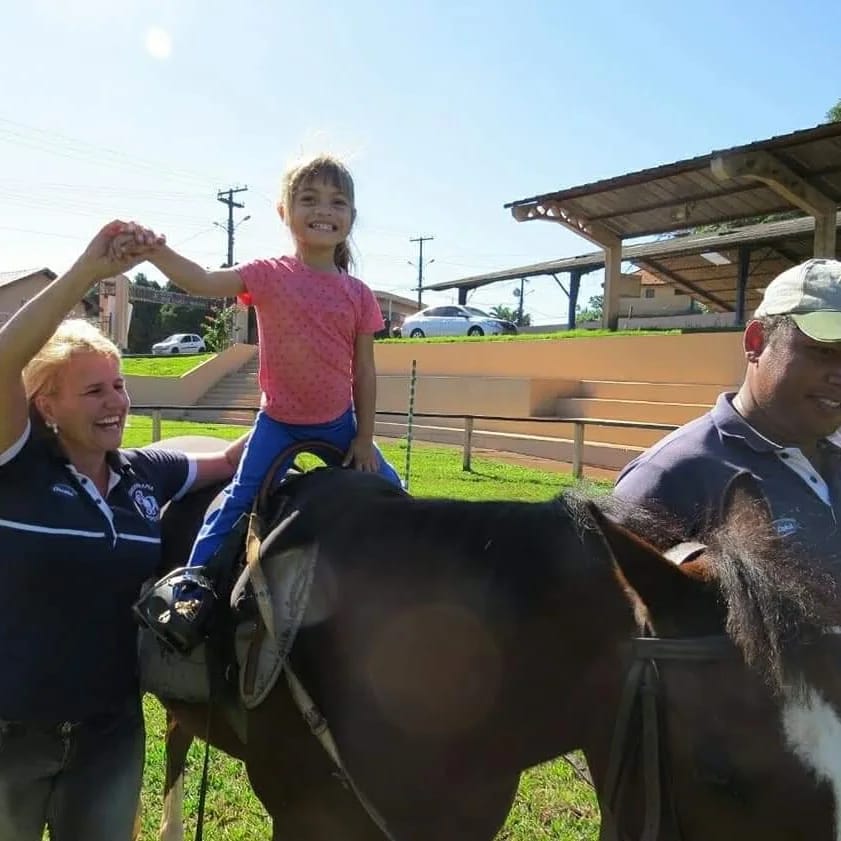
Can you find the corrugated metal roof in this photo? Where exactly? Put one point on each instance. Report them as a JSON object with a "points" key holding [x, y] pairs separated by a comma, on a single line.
{"points": [[774, 247], [7, 278], [685, 193]]}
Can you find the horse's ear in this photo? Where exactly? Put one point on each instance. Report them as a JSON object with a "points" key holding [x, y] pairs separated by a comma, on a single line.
{"points": [[677, 599], [742, 493]]}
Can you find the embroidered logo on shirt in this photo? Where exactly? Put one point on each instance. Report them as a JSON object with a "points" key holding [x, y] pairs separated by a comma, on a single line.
{"points": [[144, 499], [786, 526], [64, 490]]}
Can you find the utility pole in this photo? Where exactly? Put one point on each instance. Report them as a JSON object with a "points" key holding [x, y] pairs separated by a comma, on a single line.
{"points": [[227, 197], [420, 241]]}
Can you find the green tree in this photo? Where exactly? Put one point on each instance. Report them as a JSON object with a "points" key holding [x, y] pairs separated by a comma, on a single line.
{"points": [[218, 327], [178, 318], [834, 113], [511, 314], [503, 312], [593, 311]]}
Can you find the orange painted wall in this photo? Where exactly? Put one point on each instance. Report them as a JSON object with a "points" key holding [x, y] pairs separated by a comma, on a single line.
{"points": [[708, 358]]}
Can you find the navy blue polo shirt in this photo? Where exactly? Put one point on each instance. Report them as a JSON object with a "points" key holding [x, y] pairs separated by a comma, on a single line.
{"points": [[71, 566], [687, 471]]}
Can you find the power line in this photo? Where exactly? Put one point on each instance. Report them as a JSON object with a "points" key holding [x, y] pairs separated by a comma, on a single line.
{"points": [[420, 241], [63, 145]]}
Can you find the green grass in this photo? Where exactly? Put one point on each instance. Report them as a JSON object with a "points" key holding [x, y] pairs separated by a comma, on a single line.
{"points": [[529, 337], [553, 803], [163, 366]]}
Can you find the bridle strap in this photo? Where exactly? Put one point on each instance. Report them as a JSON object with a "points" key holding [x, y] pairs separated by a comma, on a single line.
{"points": [[683, 553], [642, 683]]}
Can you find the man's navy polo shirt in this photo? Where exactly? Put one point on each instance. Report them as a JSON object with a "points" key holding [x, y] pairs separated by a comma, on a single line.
{"points": [[687, 472], [71, 566]]}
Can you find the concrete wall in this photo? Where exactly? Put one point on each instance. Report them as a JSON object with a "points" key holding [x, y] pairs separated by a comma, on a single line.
{"points": [[700, 320], [479, 395], [187, 389], [661, 304], [706, 358]]}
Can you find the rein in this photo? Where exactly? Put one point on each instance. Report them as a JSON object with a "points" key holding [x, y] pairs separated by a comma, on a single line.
{"points": [[642, 688]]}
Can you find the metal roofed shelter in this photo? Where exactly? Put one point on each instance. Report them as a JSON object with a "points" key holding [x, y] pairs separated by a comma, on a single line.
{"points": [[727, 270], [800, 170]]}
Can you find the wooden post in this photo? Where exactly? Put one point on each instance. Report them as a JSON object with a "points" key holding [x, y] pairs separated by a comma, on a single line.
{"points": [[468, 443], [742, 283], [578, 450], [825, 235], [156, 425]]}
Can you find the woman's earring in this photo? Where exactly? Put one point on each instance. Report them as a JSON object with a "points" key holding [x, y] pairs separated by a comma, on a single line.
{"points": [[53, 426]]}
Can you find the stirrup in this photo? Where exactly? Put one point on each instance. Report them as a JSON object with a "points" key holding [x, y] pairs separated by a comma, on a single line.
{"points": [[176, 609]]}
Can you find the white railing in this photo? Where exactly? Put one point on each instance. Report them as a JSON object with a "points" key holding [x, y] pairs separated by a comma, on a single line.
{"points": [[578, 424]]}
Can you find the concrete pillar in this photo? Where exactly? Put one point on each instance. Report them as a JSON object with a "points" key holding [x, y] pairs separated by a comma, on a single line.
{"points": [[612, 277]]}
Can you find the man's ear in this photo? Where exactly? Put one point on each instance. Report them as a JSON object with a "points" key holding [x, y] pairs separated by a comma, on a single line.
{"points": [[753, 340]]}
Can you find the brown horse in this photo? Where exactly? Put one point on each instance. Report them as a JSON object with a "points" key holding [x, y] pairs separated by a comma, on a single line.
{"points": [[451, 645]]}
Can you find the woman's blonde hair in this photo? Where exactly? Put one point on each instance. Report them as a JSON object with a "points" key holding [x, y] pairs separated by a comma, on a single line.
{"points": [[73, 336], [334, 172]]}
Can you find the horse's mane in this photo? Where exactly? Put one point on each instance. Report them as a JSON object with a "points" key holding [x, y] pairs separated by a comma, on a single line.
{"points": [[778, 597]]}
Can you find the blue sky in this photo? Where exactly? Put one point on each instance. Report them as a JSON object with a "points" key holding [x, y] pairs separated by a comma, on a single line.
{"points": [[445, 110]]}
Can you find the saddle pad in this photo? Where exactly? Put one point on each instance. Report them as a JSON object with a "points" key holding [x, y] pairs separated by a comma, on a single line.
{"points": [[289, 576], [169, 675]]}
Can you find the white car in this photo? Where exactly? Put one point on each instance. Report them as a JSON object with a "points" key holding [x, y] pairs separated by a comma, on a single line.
{"points": [[454, 321], [179, 343]]}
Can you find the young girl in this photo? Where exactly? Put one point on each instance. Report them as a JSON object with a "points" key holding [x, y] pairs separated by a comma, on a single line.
{"points": [[316, 325]]}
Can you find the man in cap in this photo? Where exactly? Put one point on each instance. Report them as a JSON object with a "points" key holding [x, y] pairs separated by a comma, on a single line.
{"points": [[780, 426]]}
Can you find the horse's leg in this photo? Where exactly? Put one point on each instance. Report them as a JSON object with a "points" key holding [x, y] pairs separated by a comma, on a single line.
{"points": [[178, 741], [297, 781], [135, 832]]}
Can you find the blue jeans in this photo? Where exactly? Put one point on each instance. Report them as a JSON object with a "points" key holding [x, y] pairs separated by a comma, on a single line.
{"points": [[80, 779], [268, 439]]}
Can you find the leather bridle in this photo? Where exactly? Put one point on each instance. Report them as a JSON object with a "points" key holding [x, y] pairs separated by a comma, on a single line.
{"points": [[642, 689]]}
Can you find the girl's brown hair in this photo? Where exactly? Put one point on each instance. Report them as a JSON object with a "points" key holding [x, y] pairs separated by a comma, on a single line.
{"points": [[321, 168]]}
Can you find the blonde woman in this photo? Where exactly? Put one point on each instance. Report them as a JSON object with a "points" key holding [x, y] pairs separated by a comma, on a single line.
{"points": [[79, 533]]}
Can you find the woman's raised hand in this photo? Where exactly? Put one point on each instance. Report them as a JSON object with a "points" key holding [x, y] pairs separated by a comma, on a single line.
{"points": [[118, 247]]}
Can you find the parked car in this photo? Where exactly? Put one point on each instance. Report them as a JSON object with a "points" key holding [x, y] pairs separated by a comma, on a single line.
{"points": [[454, 321], [179, 343]]}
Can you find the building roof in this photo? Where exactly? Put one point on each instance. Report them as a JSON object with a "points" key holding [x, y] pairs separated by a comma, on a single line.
{"points": [[774, 247], [687, 193], [396, 299], [8, 278]]}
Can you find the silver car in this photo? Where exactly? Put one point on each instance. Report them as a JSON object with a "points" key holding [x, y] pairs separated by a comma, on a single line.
{"points": [[454, 321], [179, 343]]}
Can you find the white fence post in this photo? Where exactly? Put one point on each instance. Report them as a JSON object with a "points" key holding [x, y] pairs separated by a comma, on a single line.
{"points": [[413, 379], [468, 443], [156, 425], [578, 450]]}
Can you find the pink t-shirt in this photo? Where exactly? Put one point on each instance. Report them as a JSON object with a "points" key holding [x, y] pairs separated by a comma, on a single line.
{"points": [[308, 321]]}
